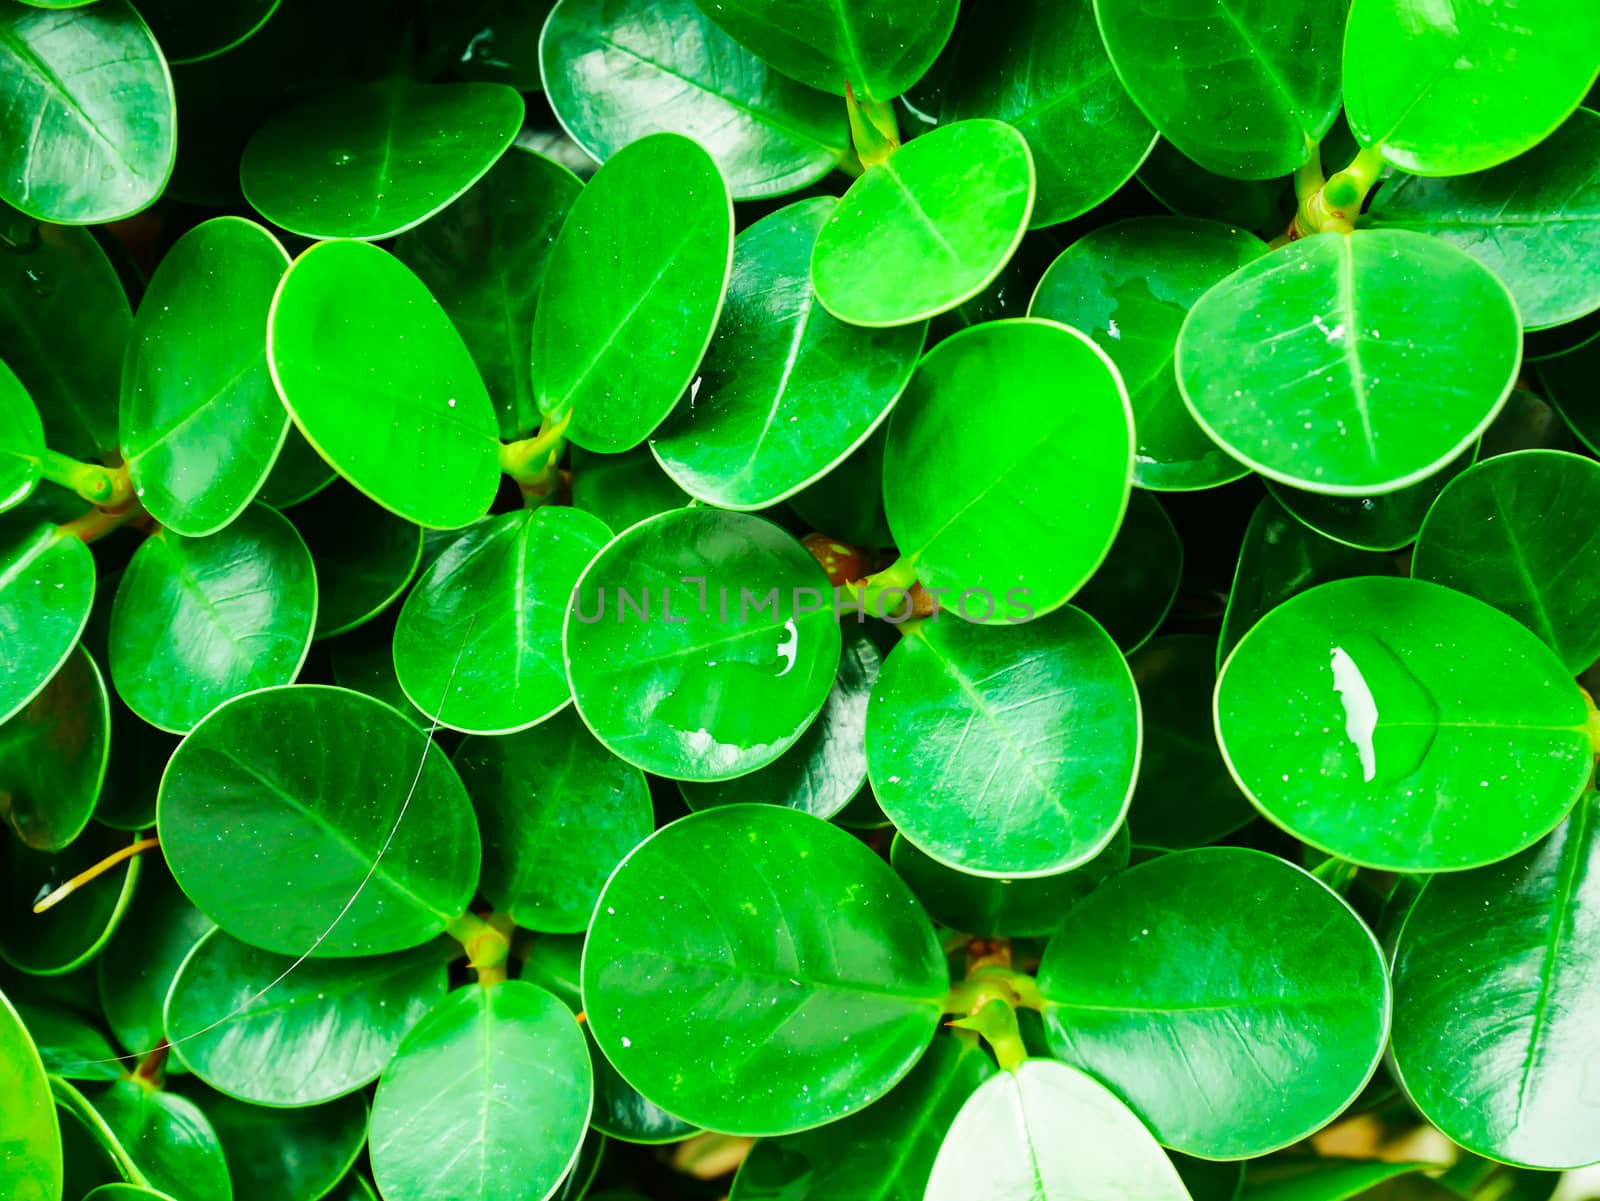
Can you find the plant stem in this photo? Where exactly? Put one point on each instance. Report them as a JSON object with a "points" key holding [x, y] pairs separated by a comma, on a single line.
{"points": [[1332, 206], [873, 591], [532, 462], [97, 523], [997, 1023], [104, 486], [993, 983], [487, 943], [63, 891], [874, 132], [1338, 874], [153, 1066]]}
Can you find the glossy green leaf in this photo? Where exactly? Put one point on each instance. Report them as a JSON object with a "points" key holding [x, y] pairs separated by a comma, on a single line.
{"points": [[787, 391], [66, 936], [287, 1154], [126, 1192], [382, 386], [1318, 1179], [883, 1153], [88, 133], [169, 1141], [483, 259], [1411, 728], [1017, 524], [21, 441], [1050, 1132], [46, 590], [1493, 988], [619, 70], [1445, 90], [1129, 286], [1201, 981], [135, 971], [198, 621], [676, 972], [191, 30], [632, 292], [500, 1077], [622, 489], [1007, 752], [1134, 588], [1534, 222], [327, 167], [264, 1029], [68, 1045], [1262, 206], [1514, 531], [363, 661], [701, 644], [1528, 422], [378, 850], [1351, 364], [557, 812], [298, 475], [479, 640], [92, 1153], [32, 1140], [922, 231], [139, 754], [1246, 91], [201, 423], [53, 755], [1385, 522], [364, 555]]}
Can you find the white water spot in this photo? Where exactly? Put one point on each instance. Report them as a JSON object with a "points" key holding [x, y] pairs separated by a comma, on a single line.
{"points": [[1332, 335], [1116, 334], [694, 390], [451, 402], [789, 647], [1360, 710], [627, 1042]]}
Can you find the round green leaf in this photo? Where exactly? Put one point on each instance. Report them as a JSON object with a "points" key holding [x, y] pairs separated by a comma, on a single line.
{"points": [[46, 591], [68, 1045], [787, 391], [365, 556], [135, 971], [1129, 286], [378, 851], [1032, 483], [126, 1192], [28, 1115], [784, 1031], [89, 124], [498, 1076], [372, 161], [1262, 206], [167, 1139], [701, 644], [70, 934], [192, 30], [1201, 981], [923, 231], [21, 441], [1049, 1132], [1041, 66], [201, 424], [1534, 222], [287, 1154], [483, 259], [1135, 586], [478, 642], [622, 489], [1493, 987], [320, 1031], [1409, 727], [632, 291], [616, 71], [1351, 364], [1456, 88], [557, 812], [197, 621], [382, 386], [53, 756], [1513, 532]]}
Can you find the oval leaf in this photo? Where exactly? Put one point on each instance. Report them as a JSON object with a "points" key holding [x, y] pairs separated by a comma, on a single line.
{"points": [[53, 756], [46, 590]]}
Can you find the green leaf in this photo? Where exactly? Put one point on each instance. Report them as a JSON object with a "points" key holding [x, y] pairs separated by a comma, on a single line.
{"points": [[883, 1153], [198, 621], [364, 555], [1492, 1040], [497, 1076], [1007, 752], [1042, 67], [1410, 727], [1534, 222], [478, 642], [1200, 982], [378, 852], [798, 929], [1050, 1132], [287, 1154], [879, 49], [979, 510], [32, 1140], [632, 292], [787, 391], [1129, 286], [1263, 206], [1459, 88], [1317, 1179], [923, 231], [1567, 382], [46, 590], [298, 475], [53, 756], [264, 1029], [89, 131], [68, 1045], [557, 812], [201, 424], [701, 644], [139, 754], [987, 907], [192, 30], [382, 386], [1246, 91], [70, 934], [483, 258], [126, 1192], [622, 489], [847, 503], [1351, 364], [616, 71], [21, 441], [1137, 582], [168, 1140], [326, 167]]}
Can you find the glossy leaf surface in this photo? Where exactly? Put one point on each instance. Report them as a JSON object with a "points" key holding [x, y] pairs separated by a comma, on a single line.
{"points": [[365, 557], [135, 971], [1385, 522], [167, 1138], [191, 30], [287, 1154], [53, 756], [33, 1137], [622, 489], [1132, 591], [46, 589], [21, 441], [64, 937]]}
